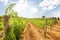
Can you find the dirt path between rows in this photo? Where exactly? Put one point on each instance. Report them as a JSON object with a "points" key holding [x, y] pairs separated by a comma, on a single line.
{"points": [[33, 32]]}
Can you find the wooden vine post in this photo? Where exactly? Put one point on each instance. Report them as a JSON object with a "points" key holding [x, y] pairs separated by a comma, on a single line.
{"points": [[45, 29], [6, 25]]}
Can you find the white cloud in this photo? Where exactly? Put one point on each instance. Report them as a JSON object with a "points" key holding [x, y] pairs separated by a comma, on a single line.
{"points": [[24, 9], [56, 14], [4, 1], [49, 4], [34, 10]]}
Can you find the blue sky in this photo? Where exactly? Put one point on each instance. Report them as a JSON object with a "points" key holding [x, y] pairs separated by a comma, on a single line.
{"points": [[33, 8]]}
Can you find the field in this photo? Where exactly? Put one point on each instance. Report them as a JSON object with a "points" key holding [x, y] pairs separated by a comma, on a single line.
{"points": [[17, 26]]}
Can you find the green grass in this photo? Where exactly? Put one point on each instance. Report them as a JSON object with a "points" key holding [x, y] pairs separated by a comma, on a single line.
{"points": [[42, 22], [1, 26]]}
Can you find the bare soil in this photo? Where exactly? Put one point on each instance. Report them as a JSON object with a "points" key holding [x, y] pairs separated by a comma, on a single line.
{"points": [[33, 32]]}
